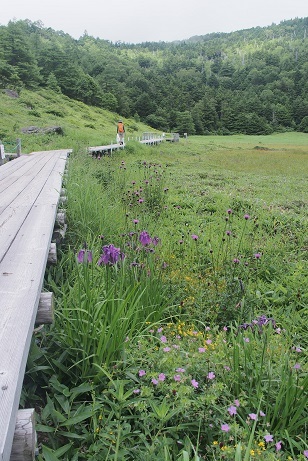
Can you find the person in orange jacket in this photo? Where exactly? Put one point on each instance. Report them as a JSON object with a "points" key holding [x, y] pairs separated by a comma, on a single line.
{"points": [[120, 132]]}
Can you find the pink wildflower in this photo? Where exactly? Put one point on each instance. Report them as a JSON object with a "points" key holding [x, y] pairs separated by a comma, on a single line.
{"points": [[278, 445], [225, 427], [161, 377], [194, 383], [211, 375], [268, 438], [142, 373], [232, 410]]}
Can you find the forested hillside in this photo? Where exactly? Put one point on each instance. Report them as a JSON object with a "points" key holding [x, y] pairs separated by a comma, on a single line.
{"points": [[251, 81]]}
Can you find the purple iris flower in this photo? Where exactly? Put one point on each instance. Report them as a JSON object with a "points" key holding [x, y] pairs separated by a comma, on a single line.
{"points": [[110, 255], [144, 238], [84, 256]]}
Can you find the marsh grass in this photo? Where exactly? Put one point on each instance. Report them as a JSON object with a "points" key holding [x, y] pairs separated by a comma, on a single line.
{"points": [[181, 194]]}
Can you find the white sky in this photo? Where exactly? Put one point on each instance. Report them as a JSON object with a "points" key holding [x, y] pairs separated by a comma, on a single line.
{"points": [[136, 21]]}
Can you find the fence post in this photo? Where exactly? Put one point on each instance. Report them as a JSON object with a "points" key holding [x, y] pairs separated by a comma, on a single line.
{"points": [[18, 147], [2, 153]]}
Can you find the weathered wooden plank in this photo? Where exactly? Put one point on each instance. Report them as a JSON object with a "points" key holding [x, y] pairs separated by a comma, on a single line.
{"points": [[13, 215], [23, 173], [21, 277]]}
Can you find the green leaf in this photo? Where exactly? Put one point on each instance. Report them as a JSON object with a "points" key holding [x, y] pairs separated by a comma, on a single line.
{"points": [[77, 419], [49, 454], [63, 449], [43, 428]]}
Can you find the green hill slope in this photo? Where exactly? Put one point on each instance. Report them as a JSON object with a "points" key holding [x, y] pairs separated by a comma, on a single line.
{"points": [[78, 124]]}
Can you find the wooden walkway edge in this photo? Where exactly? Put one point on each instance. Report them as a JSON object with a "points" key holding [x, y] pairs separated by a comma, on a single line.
{"points": [[29, 196]]}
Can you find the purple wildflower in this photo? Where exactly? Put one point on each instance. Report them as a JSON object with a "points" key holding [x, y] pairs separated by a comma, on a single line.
{"points": [[278, 445], [141, 373], [194, 237], [110, 255], [194, 383], [161, 377], [236, 261], [262, 414], [257, 255], [135, 221], [229, 211], [268, 438], [228, 232], [306, 453], [155, 241], [201, 349], [297, 366], [144, 238], [84, 256], [167, 349], [225, 427], [232, 410], [163, 339], [180, 370], [246, 216], [136, 391], [253, 416], [237, 403], [211, 375], [154, 381], [177, 377]]}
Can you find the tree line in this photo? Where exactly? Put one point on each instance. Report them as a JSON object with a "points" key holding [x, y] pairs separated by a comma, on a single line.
{"points": [[252, 81]]}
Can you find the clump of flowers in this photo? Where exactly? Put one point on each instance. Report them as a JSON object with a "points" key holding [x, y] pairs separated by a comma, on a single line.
{"points": [[259, 323]]}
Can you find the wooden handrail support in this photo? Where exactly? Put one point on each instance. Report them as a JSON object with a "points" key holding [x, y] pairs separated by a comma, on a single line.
{"points": [[24, 441], [52, 255], [46, 311]]}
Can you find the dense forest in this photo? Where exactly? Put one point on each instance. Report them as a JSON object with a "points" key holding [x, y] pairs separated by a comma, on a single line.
{"points": [[252, 81]]}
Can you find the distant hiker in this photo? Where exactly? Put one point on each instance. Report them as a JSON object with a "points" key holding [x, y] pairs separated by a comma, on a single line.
{"points": [[120, 132]]}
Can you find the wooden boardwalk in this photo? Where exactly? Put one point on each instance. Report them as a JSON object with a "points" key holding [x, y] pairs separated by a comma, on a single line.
{"points": [[29, 195], [147, 138]]}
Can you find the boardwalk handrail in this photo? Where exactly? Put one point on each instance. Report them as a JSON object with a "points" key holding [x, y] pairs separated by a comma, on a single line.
{"points": [[146, 138]]}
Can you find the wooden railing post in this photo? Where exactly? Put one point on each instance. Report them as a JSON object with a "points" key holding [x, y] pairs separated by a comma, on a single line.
{"points": [[18, 148], [24, 442]]}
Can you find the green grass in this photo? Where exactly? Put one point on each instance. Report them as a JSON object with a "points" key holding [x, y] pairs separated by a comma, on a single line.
{"points": [[84, 371]]}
